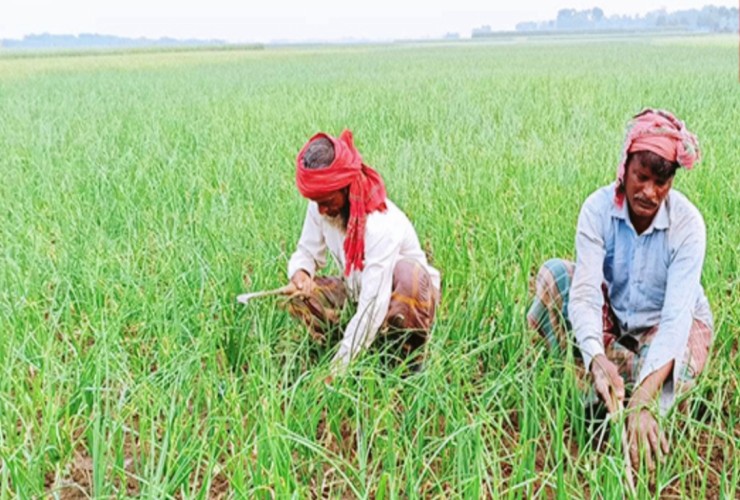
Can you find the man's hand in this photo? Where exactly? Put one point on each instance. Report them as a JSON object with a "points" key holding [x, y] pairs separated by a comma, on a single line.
{"points": [[302, 282], [643, 432], [642, 427], [607, 382]]}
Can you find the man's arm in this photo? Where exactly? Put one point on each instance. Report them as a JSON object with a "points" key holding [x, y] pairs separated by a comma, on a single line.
{"points": [[382, 246], [587, 301], [586, 298], [666, 353], [682, 291], [310, 253]]}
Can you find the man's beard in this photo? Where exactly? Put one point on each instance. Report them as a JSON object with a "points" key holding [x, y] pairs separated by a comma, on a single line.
{"points": [[340, 220]]}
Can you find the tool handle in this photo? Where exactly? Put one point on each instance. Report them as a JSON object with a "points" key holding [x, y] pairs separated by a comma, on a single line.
{"points": [[284, 290]]}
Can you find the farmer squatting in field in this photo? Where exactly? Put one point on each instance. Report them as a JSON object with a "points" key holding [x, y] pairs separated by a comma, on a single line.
{"points": [[633, 298], [385, 270]]}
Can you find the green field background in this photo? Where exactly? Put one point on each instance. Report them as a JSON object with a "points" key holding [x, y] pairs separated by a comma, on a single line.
{"points": [[140, 193]]}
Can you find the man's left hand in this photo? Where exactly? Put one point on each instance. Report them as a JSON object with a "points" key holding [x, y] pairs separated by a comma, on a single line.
{"points": [[643, 432]]}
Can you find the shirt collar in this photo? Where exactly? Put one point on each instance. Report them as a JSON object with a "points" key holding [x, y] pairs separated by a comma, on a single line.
{"points": [[661, 221]]}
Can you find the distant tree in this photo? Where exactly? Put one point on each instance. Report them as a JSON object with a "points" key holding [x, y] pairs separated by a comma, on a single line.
{"points": [[565, 19], [597, 14]]}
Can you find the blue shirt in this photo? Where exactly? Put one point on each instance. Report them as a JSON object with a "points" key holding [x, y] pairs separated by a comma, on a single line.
{"points": [[653, 278]]}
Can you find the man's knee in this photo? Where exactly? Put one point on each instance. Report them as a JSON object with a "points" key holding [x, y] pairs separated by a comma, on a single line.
{"points": [[407, 273], [322, 307], [695, 356], [556, 272], [546, 314], [553, 282], [413, 301]]}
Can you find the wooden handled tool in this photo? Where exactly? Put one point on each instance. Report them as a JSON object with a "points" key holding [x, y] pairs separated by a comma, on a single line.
{"points": [[245, 298]]}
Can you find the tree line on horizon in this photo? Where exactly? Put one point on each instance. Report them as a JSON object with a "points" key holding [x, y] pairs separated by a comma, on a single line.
{"points": [[708, 19], [90, 40]]}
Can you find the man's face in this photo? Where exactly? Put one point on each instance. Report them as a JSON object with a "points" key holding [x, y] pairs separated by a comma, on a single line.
{"points": [[334, 208], [644, 190], [332, 204]]}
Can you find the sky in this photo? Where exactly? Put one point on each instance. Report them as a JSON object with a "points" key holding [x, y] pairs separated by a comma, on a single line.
{"points": [[268, 20]]}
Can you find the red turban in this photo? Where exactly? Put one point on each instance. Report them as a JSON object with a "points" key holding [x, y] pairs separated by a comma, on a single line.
{"points": [[663, 134], [366, 190]]}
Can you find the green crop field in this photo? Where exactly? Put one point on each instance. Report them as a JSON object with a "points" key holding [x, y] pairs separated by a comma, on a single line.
{"points": [[140, 193]]}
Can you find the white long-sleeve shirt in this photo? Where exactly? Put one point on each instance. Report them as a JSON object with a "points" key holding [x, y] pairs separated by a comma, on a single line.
{"points": [[389, 237]]}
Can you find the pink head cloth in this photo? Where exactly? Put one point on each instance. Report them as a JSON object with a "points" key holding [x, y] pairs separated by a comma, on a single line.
{"points": [[662, 133]]}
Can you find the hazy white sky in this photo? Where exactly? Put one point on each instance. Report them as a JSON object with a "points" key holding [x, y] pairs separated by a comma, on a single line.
{"points": [[249, 20]]}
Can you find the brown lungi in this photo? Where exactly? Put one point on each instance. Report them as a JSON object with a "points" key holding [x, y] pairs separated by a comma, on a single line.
{"points": [[410, 313]]}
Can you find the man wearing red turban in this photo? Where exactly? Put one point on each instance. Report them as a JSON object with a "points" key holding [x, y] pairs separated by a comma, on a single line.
{"points": [[384, 268], [634, 298]]}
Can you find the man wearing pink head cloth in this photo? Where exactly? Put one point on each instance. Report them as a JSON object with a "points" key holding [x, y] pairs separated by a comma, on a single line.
{"points": [[385, 271], [633, 299]]}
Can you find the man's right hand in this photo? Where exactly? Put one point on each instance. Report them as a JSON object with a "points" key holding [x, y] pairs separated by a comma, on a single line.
{"points": [[302, 282], [607, 382]]}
